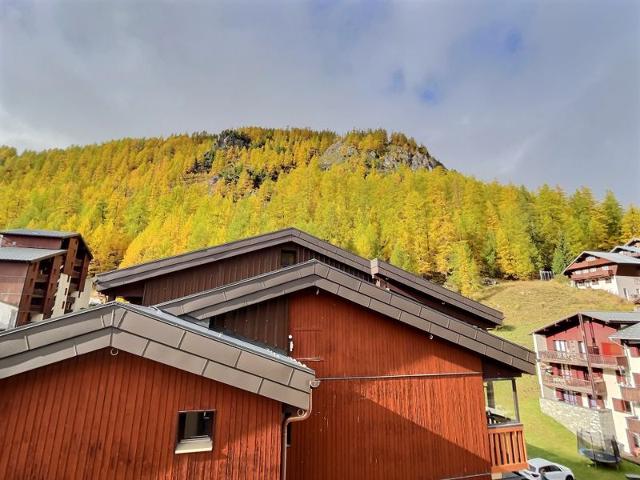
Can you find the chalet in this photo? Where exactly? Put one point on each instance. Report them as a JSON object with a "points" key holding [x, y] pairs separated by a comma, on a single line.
{"points": [[616, 272], [407, 380], [584, 373], [43, 273]]}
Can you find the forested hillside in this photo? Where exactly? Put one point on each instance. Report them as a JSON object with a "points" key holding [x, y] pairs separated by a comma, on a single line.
{"points": [[376, 194]]}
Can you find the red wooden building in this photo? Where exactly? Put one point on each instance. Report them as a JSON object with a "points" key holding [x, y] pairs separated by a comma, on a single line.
{"points": [[410, 384], [43, 273], [120, 391]]}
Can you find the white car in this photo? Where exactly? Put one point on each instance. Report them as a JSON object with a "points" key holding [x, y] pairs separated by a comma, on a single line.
{"points": [[541, 469]]}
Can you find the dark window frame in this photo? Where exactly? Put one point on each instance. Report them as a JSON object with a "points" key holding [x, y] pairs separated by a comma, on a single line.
{"points": [[207, 434], [292, 257]]}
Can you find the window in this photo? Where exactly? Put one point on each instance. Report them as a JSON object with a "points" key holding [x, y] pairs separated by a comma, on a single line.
{"points": [[594, 282], [571, 398], [560, 345], [607, 280], [549, 469], [621, 405], [195, 431], [581, 347], [605, 267], [288, 258]]}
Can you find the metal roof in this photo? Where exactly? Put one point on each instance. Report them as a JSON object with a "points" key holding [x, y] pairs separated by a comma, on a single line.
{"points": [[316, 274], [614, 317], [135, 273], [158, 336], [27, 232], [612, 257], [625, 248], [24, 254], [604, 316], [632, 332]]}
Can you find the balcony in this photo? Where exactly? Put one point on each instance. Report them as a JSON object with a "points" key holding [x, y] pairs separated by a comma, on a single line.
{"points": [[574, 384], [633, 424], [630, 394], [597, 275], [579, 358], [507, 448]]}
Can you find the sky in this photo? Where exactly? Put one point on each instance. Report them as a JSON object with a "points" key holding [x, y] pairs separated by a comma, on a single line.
{"points": [[516, 91]]}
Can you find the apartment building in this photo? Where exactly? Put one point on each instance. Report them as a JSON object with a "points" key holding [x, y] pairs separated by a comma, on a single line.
{"points": [[584, 373], [43, 273]]}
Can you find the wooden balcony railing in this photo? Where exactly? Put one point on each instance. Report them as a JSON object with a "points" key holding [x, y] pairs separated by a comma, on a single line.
{"points": [[597, 275], [574, 384], [579, 358], [507, 448], [630, 394]]}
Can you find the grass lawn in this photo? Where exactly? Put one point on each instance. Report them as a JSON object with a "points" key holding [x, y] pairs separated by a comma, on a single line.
{"points": [[527, 306]]}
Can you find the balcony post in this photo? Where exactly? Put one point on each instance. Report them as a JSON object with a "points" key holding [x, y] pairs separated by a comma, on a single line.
{"points": [[516, 408], [491, 397], [588, 355]]}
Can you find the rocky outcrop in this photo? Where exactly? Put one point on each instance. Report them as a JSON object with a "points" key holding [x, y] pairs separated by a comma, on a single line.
{"points": [[391, 158]]}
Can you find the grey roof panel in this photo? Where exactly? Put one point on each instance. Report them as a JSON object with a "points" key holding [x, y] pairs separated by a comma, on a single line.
{"points": [[385, 269], [25, 254], [621, 317], [604, 316], [161, 337], [398, 307], [625, 248], [632, 332], [28, 232]]}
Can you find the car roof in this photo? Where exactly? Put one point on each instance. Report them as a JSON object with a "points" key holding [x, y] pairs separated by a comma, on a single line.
{"points": [[539, 462]]}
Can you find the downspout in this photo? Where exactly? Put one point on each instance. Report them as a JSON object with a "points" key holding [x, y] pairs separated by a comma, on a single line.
{"points": [[302, 415]]}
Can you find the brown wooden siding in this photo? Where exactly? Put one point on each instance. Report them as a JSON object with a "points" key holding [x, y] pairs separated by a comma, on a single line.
{"points": [[13, 240], [12, 280], [102, 416], [426, 427], [24, 310], [266, 322], [211, 275]]}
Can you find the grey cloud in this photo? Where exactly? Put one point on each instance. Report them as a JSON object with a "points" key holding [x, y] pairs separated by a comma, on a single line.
{"points": [[529, 92]]}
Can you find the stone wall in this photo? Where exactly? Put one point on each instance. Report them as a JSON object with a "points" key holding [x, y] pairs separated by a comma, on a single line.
{"points": [[576, 418]]}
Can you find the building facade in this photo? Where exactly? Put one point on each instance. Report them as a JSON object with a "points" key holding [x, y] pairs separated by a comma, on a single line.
{"points": [[616, 272], [583, 371], [43, 273]]}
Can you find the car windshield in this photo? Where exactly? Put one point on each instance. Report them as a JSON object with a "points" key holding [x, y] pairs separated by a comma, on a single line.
{"points": [[532, 468]]}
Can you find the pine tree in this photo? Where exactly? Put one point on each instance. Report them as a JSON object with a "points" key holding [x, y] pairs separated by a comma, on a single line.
{"points": [[562, 256]]}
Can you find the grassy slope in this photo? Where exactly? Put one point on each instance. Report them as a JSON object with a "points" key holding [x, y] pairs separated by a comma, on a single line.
{"points": [[527, 306]]}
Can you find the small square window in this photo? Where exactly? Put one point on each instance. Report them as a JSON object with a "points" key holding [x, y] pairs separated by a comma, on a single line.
{"points": [[288, 258], [195, 431]]}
